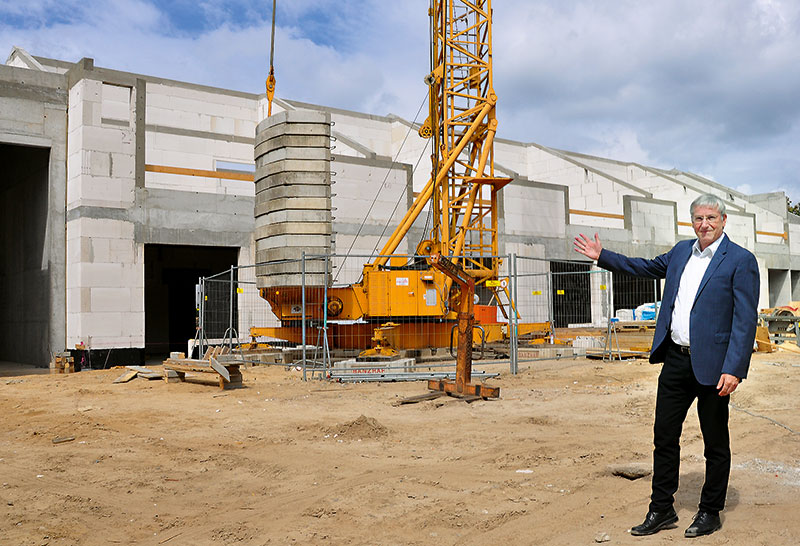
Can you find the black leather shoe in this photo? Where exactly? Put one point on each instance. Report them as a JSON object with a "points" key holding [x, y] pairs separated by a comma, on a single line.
{"points": [[704, 523], [655, 521]]}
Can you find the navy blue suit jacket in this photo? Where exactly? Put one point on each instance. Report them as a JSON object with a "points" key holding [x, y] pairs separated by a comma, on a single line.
{"points": [[722, 324]]}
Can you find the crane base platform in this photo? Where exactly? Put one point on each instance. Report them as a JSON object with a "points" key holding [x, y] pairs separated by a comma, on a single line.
{"points": [[444, 385]]}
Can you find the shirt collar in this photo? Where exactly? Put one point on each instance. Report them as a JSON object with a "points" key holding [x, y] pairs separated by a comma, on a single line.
{"points": [[710, 249]]}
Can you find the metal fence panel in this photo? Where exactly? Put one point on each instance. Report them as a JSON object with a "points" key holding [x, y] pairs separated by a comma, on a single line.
{"points": [[531, 301]]}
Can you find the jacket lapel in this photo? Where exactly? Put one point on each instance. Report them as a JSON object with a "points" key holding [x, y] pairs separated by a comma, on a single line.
{"points": [[683, 259], [719, 255]]}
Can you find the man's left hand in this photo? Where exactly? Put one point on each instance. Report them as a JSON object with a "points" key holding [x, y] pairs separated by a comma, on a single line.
{"points": [[727, 384]]}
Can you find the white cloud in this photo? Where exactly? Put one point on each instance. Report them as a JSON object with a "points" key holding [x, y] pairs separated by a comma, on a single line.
{"points": [[706, 86]]}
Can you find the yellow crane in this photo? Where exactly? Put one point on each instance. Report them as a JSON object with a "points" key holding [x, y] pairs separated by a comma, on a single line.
{"points": [[419, 302]]}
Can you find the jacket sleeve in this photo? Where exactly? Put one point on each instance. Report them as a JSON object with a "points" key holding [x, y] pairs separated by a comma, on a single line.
{"points": [[638, 267], [745, 317]]}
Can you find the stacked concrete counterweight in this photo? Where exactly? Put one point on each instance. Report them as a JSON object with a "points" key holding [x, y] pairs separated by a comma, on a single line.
{"points": [[293, 197]]}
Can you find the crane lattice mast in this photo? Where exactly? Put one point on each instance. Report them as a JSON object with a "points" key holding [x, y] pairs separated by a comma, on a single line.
{"points": [[462, 191]]}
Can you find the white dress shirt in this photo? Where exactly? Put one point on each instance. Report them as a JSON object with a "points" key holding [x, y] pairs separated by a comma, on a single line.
{"points": [[687, 289]]}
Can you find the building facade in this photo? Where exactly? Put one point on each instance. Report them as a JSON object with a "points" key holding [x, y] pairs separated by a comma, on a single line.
{"points": [[121, 189]]}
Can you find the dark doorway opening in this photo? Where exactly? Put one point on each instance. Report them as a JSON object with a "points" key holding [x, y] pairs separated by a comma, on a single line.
{"points": [[24, 255], [171, 274], [630, 292], [571, 293]]}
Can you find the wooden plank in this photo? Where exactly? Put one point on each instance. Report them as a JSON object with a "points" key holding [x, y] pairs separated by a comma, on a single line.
{"points": [[190, 368], [188, 361], [762, 340], [226, 175], [141, 369], [783, 235], [419, 398], [221, 370], [127, 376], [788, 346], [597, 214]]}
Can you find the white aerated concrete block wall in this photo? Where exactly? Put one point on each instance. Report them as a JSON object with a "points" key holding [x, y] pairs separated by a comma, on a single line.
{"points": [[100, 167], [105, 275], [416, 151], [511, 156], [768, 221], [533, 210], [374, 134], [741, 230], [652, 223], [377, 194], [589, 191], [794, 238], [192, 116]]}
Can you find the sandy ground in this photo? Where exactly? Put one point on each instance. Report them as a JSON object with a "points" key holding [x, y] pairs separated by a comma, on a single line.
{"points": [[289, 462]]}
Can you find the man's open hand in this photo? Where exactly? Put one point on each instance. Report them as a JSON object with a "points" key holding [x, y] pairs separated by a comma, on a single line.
{"points": [[587, 247]]}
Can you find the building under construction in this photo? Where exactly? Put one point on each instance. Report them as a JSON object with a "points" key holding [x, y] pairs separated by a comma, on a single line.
{"points": [[120, 190]]}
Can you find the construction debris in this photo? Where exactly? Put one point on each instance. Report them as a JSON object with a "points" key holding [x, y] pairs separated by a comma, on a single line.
{"points": [[62, 363], [216, 361], [127, 376]]}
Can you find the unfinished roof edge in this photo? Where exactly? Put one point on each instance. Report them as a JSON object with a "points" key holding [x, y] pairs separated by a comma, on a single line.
{"points": [[566, 157], [717, 185], [343, 111], [27, 58], [111, 73], [669, 174]]}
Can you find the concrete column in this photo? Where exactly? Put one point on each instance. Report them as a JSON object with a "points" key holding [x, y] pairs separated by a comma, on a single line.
{"points": [[600, 289]]}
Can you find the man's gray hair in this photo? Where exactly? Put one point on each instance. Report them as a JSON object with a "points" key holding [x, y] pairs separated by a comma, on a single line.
{"points": [[708, 200]]}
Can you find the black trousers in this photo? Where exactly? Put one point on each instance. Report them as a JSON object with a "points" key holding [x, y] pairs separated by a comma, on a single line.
{"points": [[677, 389]]}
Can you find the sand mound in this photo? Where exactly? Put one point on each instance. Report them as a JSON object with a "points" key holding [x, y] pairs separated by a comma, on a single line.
{"points": [[363, 428]]}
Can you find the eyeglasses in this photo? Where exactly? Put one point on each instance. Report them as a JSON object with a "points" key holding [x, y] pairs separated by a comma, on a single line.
{"points": [[711, 219]]}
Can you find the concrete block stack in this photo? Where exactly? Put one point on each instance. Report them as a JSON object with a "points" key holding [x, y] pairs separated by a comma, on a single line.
{"points": [[293, 197]]}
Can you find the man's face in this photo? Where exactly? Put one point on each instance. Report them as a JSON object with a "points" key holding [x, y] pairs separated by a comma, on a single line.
{"points": [[708, 224]]}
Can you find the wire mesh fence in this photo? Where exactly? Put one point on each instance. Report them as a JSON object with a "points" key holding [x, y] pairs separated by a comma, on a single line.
{"points": [[396, 319]]}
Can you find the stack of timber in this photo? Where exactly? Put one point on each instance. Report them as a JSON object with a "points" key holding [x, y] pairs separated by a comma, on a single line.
{"points": [[293, 197], [216, 363], [62, 363]]}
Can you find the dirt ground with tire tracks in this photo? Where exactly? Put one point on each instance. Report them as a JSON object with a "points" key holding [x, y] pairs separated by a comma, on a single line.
{"points": [[283, 461]]}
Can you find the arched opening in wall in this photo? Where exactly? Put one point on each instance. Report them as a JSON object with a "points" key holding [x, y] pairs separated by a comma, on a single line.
{"points": [[25, 267], [571, 293], [171, 275]]}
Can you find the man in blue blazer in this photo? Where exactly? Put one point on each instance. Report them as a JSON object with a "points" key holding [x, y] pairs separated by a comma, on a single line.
{"points": [[704, 336]]}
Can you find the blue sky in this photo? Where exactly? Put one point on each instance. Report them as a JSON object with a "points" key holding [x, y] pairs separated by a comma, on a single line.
{"points": [[710, 87]]}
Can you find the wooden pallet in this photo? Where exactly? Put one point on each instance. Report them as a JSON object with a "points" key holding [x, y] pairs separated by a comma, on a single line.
{"points": [[228, 374]]}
